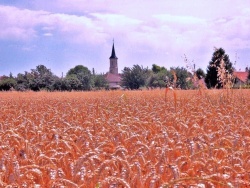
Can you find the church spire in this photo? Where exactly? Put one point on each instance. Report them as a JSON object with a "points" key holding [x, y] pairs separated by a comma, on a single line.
{"points": [[113, 52], [113, 68]]}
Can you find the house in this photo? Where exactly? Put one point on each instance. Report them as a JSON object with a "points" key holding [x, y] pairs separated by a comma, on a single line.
{"points": [[113, 77], [240, 78]]}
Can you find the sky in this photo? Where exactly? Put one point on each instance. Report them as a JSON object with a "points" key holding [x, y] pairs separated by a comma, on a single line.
{"points": [[61, 34]]}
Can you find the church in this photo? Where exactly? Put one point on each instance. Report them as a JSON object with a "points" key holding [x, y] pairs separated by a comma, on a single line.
{"points": [[113, 77]]}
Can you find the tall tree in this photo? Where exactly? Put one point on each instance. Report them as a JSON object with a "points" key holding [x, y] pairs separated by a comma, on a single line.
{"points": [[83, 74], [135, 77], [219, 69]]}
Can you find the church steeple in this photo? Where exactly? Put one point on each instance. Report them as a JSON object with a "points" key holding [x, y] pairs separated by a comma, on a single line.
{"points": [[113, 68], [113, 52]]}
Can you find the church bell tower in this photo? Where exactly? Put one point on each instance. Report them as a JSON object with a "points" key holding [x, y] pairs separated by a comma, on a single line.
{"points": [[113, 68]]}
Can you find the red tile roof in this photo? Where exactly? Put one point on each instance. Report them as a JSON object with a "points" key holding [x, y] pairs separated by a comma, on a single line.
{"points": [[242, 76]]}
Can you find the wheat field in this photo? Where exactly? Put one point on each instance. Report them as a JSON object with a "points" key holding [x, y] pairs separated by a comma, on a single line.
{"points": [[126, 139]]}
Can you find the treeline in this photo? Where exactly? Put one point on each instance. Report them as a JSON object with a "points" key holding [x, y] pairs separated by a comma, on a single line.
{"points": [[42, 78], [219, 74], [159, 77], [80, 78]]}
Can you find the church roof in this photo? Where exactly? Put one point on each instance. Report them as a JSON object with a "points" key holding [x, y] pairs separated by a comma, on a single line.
{"points": [[113, 53]]}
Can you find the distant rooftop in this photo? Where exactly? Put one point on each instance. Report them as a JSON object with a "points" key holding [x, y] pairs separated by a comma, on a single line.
{"points": [[242, 76]]}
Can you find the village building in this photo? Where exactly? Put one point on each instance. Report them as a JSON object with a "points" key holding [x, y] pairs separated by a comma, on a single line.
{"points": [[240, 77], [113, 77]]}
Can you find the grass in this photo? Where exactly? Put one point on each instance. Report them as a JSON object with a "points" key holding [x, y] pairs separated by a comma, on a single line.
{"points": [[197, 138]]}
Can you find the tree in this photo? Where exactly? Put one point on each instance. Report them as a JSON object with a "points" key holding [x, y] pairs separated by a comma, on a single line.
{"points": [[7, 83], [59, 85], [158, 78], [248, 77], [200, 73], [135, 77], [100, 81], [41, 78], [219, 69], [22, 82], [156, 68], [182, 77], [83, 74], [71, 82]]}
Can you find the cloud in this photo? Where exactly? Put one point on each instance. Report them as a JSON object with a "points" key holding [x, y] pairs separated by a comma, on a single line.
{"points": [[232, 32], [48, 34], [23, 24], [14, 25], [116, 20], [116, 26], [145, 32], [99, 23], [186, 20]]}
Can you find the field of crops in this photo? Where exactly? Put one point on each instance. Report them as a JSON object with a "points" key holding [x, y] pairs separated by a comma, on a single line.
{"points": [[125, 139]]}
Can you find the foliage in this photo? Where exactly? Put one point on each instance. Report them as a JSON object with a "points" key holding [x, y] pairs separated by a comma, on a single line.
{"points": [[135, 77], [200, 73], [156, 69], [7, 83], [71, 82], [182, 76], [59, 84], [83, 74], [248, 77], [158, 78], [40, 78], [219, 69], [100, 81], [22, 82]]}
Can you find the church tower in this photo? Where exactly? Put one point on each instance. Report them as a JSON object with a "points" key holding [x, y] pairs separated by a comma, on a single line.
{"points": [[113, 68]]}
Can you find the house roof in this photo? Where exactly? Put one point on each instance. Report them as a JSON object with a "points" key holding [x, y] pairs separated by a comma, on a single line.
{"points": [[242, 76], [113, 77], [113, 56]]}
